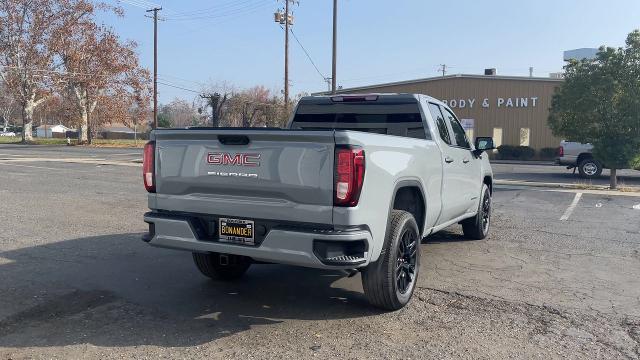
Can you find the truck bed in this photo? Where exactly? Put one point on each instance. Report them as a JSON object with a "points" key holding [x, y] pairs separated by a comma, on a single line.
{"points": [[283, 175]]}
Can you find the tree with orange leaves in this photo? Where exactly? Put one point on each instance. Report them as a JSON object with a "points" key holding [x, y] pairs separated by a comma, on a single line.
{"points": [[101, 70]]}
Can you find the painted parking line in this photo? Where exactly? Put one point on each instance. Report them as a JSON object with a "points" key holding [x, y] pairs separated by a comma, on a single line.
{"points": [[637, 207], [571, 207], [126, 154]]}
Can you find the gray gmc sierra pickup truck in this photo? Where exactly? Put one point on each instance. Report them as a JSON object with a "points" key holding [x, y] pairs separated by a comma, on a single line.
{"points": [[354, 183]]}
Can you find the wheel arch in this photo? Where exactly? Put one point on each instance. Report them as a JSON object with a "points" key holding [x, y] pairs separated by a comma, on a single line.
{"points": [[583, 156], [409, 195], [488, 180]]}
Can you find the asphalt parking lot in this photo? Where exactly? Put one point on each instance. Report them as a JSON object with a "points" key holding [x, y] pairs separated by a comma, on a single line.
{"points": [[551, 281]]}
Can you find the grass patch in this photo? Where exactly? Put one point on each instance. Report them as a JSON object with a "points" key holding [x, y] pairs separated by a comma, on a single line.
{"points": [[9, 140], [118, 143], [96, 142], [35, 141]]}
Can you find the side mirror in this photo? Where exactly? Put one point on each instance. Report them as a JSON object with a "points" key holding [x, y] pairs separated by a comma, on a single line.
{"points": [[483, 144]]}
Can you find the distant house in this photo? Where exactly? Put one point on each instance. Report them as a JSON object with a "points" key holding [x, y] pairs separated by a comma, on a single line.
{"points": [[50, 131]]}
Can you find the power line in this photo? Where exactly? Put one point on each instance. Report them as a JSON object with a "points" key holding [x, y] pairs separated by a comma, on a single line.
{"points": [[307, 54], [139, 3], [227, 18], [224, 13], [179, 78], [197, 14], [178, 87], [57, 72]]}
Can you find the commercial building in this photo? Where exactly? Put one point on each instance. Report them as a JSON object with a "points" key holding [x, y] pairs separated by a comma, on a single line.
{"points": [[513, 110]]}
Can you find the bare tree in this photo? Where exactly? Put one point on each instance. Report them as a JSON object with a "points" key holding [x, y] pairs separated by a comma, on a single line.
{"points": [[181, 113]]}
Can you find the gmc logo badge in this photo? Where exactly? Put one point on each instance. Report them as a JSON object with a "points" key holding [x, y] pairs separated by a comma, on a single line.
{"points": [[238, 159]]}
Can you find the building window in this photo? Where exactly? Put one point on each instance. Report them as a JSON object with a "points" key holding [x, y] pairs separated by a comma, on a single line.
{"points": [[524, 136], [497, 136]]}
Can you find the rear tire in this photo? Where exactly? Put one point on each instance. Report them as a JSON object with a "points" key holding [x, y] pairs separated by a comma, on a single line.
{"points": [[477, 227], [221, 266], [590, 168], [389, 282]]}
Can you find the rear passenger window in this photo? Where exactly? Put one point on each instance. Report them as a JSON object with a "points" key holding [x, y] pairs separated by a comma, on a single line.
{"points": [[458, 131], [387, 115], [439, 119]]}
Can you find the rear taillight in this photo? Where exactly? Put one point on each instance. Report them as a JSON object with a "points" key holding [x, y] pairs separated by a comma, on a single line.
{"points": [[148, 166], [349, 176], [561, 151]]}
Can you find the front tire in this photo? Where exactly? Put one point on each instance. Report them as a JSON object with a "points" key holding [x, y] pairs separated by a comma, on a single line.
{"points": [[590, 168], [477, 227], [221, 266], [389, 282]]}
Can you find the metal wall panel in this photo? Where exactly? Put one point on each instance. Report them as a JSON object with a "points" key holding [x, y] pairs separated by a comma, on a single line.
{"points": [[510, 119]]}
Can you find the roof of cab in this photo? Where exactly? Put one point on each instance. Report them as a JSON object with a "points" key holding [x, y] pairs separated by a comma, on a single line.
{"points": [[381, 96]]}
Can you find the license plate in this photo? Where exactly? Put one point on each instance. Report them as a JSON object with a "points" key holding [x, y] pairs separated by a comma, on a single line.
{"points": [[236, 231]]}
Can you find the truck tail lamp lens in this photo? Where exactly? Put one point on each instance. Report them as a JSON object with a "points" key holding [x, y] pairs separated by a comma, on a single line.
{"points": [[561, 151], [148, 166], [349, 176]]}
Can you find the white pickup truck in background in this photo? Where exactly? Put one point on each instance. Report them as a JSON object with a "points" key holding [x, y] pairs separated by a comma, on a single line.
{"points": [[575, 155]]}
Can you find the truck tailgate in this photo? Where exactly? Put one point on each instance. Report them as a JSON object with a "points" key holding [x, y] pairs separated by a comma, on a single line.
{"points": [[284, 175]]}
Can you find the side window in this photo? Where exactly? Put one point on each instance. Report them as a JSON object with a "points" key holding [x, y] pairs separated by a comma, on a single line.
{"points": [[439, 119], [458, 131]]}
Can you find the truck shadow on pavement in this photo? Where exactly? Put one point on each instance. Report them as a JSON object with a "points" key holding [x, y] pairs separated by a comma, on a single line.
{"points": [[114, 290], [448, 235]]}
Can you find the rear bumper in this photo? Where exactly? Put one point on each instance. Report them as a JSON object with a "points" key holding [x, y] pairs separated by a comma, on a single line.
{"points": [[281, 246]]}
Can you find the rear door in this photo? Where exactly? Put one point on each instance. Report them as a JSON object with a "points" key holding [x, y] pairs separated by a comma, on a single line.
{"points": [[454, 195], [264, 174]]}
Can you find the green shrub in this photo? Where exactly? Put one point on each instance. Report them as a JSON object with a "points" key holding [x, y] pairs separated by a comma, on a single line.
{"points": [[525, 152], [548, 153], [506, 152], [635, 163], [510, 152]]}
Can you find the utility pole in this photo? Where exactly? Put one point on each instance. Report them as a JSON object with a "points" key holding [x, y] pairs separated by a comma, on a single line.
{"points": [[285, 19], [531, 71], [335, 47], [443, 68], [155, 65], [286, 54]]}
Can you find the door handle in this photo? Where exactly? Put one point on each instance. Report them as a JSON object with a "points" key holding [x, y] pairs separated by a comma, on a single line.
{"points": [[448, 160], [465, 160]]}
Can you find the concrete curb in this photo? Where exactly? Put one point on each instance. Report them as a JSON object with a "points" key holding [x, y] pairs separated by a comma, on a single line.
{"points": [[521, 162], [563, 186]]}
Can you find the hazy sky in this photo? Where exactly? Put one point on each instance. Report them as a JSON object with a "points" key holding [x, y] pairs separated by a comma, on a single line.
{"points": [[379, 41]]}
